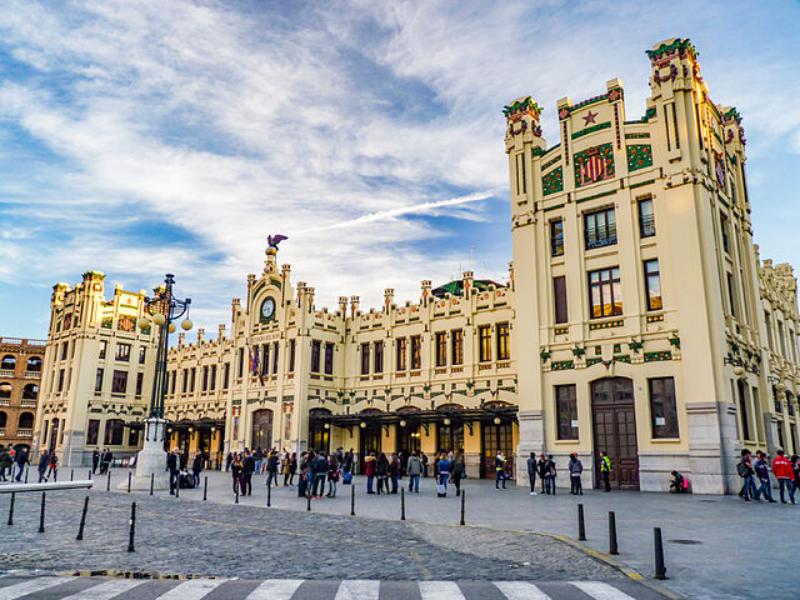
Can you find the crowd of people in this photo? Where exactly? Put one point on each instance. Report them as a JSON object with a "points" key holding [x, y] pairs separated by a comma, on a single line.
{"points": [[756, 480]]}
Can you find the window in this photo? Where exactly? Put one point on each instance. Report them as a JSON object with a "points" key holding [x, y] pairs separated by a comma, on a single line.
{"points": [[560, 298], [213, 383], [522, 183], [605, 293], [485, 343], [226, 376], [329, 358], [503, 349], [566, 412], [457, 347], [731, 294], [103, 348], [9, 363], [34, 364], [98, 380], [172, 382], [652, 282], [114, 431], [264, 359], [119, 382], [139, 382], [142, 354], [600, 228], [743, 412], [725, 229], [557, 237], [647, 219], [441, 348], [291, 355], [61, 374], [401, 354], [663, 408], [768, 322], [192, 379], [782, 339], [30, 391], [185, 385], [416, 352], [123, 352], [241, 362], [379, 357], [316, 347], [274, 357], [365, 358], [205, 378], [64, 350], [92, 432]]}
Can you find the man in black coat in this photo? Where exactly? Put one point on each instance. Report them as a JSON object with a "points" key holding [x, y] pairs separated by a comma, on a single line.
{"points": [[174, 468], [21, 459], [95, 460], [248, 468]]}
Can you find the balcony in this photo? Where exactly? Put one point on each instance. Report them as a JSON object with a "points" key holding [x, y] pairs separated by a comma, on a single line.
{"points": [[7, 373], [33, 374], [25, 433], [600, 238], [28, 402], [5, 401], [2, 431]]}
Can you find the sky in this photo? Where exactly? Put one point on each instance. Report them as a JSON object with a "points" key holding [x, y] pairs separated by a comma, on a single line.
{"points": [[142, 137]]}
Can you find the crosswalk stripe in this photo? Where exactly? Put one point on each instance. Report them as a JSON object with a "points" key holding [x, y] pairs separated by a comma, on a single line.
{"points": [[601, 591], [359, 589], [194, 589], [30, 586], [106, 590], [520, 590], [275, 589], [440, 590]]}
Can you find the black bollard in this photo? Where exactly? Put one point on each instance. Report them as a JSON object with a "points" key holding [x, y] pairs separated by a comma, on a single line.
{"points": [[72, 474], [90, 474], [237, 496], [11, 510], [129, 481], [26, 473], [661, 570], [463, 496], [177, 486], [581, 524], [41, 513], [132, 524], [612, 533], [205, 489], [108, 481], [83, 518], [269, 495], [402, 504], [352, 500], [152, 481], [308, 506]]}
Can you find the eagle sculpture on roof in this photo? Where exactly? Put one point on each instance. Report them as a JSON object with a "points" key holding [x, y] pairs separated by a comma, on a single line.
{"points": [[274, 240]]}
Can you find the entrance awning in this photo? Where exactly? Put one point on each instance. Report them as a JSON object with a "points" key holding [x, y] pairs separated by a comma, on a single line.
{"points": [[504, 413], [197, 424]]}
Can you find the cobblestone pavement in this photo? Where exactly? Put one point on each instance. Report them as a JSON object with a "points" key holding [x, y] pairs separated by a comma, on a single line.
{"points": [[185, 537], [86, 588], [704, 535]]}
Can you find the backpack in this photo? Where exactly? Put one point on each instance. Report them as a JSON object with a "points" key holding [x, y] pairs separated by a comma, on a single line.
{"points": [[742, 470], [685, 484]]}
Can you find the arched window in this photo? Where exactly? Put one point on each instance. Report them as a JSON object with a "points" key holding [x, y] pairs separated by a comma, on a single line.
{"points": [[3, 419], [30, 392], [34, 364], [25, 420], [8, 363], [5, 390]]}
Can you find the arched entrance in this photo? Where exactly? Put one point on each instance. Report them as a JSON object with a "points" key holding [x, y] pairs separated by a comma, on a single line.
{"points": [[408, 436], [614, 420], [371, 435], [262, 430], [319, 438]]}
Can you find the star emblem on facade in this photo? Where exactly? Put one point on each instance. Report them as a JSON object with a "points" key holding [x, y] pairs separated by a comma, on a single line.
{"points": [[589, 118]]}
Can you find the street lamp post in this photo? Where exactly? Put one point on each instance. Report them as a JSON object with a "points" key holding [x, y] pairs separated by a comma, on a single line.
{"points": [[162, 310]]}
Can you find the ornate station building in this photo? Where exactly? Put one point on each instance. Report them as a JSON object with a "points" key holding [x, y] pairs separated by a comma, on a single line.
{"points": [[637, 319]]}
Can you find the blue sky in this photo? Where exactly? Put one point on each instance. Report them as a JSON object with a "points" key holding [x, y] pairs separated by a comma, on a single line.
{"points": [[140, 137]]}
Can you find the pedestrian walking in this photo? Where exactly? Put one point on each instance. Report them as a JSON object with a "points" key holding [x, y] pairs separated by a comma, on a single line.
{"points": [[292, 468], [44, 460], [458, 471], [236, 468], [413, 469], [443, 470], [531, 464], [575, 471], [761, 467], [605, 470], [272, 469], [248, 468], [333, 476], [782, 467], [5, 463], [394, 472], [228, 461], [21, 458], [320, 469], [499, 470], [347, 461], [107, 459], [52, 467], [382, 472], [95, 460], [174, 468], [745, 470], [197, 468], [369, 471]]}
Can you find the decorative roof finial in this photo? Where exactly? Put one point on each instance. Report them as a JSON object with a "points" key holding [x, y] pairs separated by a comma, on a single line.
{"points": [[272, 243]]}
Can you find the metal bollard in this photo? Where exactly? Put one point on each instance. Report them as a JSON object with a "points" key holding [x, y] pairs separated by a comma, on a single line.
{"points": [[661, 570], [72, 474], [177, 486], [132, 524], [237, 496], [83, 518], [352, 500], [129, 481], [152, 481], [41, 513], [108, 481], [27, 468], [90, 475], [581, 524], [11, 510], [269, 495], [402, 504], [308, 506], [612, 533], [205, 489], [463, 496]]}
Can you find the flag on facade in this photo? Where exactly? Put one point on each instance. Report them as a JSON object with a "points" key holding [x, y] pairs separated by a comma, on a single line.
{"points": [[254, 363]]}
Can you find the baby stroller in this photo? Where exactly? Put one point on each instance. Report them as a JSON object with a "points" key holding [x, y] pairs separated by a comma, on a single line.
{"points": [[185, 480]]}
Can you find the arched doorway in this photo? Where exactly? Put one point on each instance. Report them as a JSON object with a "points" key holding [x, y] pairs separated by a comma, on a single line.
{"points": [[371, 436], [614, 420], [262, 430], [319, 437]]}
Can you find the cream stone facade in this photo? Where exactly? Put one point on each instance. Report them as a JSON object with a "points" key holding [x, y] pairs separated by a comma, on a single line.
{"points": [[637, 319], [98, 372]]}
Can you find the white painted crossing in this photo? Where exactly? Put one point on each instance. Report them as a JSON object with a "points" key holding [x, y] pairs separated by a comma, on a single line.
{"points": [[30, 586], [440, 590], [275, 589], [194, 589], [520, 590], [106, 590], [359, 589], [601, 591]]}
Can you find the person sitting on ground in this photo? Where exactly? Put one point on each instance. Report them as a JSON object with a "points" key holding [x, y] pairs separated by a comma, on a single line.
{"points": [[678, 483]]}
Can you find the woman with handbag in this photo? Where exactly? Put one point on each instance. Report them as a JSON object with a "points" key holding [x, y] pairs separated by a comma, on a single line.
{"points": [[457, 471]]}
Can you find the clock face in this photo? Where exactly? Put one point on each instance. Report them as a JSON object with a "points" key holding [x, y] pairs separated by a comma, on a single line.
{"points": [[267, 309]]}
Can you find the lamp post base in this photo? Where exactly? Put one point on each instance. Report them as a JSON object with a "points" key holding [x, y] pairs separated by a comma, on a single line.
{"points": [[151, 461]]}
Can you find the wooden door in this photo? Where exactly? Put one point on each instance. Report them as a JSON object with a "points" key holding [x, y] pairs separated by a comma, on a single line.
{"points": [[370, 441], [496, 438], [262, 430], [614, 420]]}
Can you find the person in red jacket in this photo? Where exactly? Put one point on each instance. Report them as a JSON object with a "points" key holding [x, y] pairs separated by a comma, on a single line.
{"points": [[782, 468]]}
